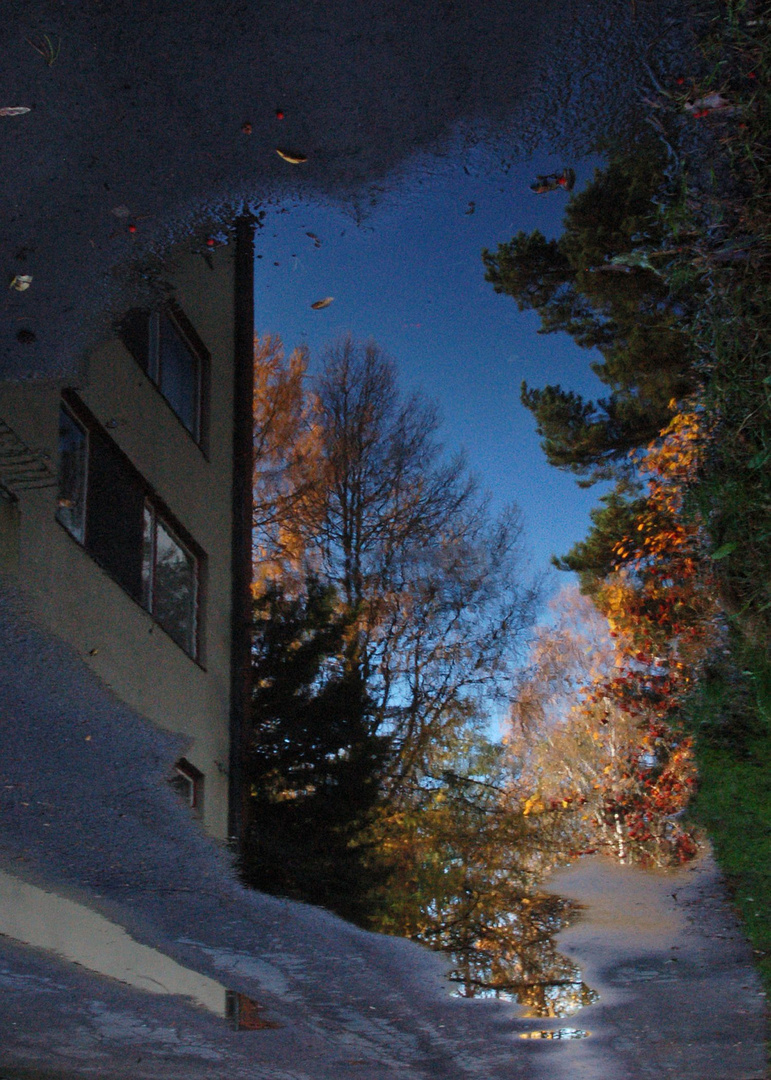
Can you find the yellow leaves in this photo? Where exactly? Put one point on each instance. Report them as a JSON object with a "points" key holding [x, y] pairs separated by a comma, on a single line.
{"points": [[533, 805], [675, 457]]}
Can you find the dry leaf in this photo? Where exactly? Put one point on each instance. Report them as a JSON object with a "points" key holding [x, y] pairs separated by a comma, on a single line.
{"points": [[13, 110], [291, 157], [21, 282], [322, 303]]}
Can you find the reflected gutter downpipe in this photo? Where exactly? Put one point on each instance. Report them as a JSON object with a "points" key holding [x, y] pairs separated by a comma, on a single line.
{"points": [[241, 550]]}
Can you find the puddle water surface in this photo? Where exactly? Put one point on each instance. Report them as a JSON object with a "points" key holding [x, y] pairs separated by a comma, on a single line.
{"points": [[556, 1033], [82, 936]]}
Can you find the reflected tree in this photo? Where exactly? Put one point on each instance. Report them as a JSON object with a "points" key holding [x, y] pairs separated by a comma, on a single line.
{"points": [[314, 763], [593, 284]]}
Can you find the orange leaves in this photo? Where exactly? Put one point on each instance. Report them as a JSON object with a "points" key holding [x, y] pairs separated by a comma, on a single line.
{"points": [[287, 450], [662, 621]]}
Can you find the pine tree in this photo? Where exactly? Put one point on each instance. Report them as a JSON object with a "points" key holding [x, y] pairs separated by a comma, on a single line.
{"points": [[600, 282], [315, 764]]}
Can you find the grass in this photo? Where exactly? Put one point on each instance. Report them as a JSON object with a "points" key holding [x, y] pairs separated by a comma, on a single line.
{"points": [[731, 717], [730, 713]]}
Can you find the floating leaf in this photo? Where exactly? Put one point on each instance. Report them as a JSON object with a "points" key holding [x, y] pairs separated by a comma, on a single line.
{"points": [[291, 156], [21, 282], [14, 110], [724, 550], [314, 238], [322, 303]]}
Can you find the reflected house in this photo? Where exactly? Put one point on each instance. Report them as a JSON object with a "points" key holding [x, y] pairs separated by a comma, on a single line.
{"points": [[125, 511]]}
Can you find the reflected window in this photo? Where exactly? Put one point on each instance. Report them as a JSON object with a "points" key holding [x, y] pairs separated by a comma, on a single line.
{"points": [[169, 579], [107, 506], [187, 781], [172, 355], [73, 457]]}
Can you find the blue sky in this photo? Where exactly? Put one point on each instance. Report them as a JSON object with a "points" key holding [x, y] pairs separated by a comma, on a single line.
{"points": [[410, 275]]}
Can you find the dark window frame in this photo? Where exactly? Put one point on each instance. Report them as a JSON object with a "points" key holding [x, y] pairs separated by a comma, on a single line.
{"points": [[86, 419], [142, 346]]}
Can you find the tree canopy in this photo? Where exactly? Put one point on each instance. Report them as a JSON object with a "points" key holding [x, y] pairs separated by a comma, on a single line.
{"points": [[390, 608], [592, 284]]}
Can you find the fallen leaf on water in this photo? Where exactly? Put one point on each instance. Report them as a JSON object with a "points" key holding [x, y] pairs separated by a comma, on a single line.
{"points": [[314, 238], [13, 110], [21, 282], [291, 157], [322, 303]]}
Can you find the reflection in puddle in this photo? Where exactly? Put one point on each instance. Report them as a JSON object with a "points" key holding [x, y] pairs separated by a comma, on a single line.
{"points": [[513, 958], [245, 1014], [556, 1033], [543, 999], [76, 933]]}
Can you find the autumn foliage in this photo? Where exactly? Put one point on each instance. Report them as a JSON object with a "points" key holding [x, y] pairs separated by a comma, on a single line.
{"points": [[664, 621], [626, 768]]}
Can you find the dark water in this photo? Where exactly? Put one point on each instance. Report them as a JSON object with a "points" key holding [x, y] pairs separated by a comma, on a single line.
{"points": [[139, 120]]}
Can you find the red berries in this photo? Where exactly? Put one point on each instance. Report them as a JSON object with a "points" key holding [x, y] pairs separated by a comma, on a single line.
{"points": [[132, 228], [279, 114]]}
